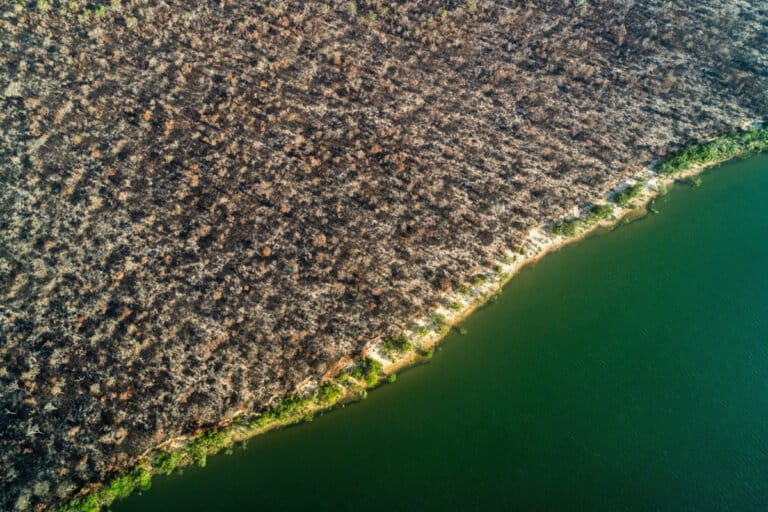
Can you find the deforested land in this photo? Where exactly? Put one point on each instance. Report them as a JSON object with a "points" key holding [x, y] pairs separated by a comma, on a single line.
{"points": [[208, 206]]}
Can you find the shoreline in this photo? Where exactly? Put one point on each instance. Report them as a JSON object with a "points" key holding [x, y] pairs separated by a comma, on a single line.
{"points": [[384, 357], [654, 184]]}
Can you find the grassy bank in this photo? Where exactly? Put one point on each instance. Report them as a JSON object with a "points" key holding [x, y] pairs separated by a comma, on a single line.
{"points": [[368, 372]]}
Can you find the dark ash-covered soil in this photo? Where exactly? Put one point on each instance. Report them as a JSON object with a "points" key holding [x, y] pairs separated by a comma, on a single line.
{"points": [[205, 204]]}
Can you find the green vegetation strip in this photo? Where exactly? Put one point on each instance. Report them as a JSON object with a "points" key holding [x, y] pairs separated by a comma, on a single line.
{"points": [[366, 373], [720, 149]]}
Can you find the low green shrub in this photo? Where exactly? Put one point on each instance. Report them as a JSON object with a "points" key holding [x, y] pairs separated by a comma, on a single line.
{"points": [[367, 370], [328, 393], [625, 196], [479, 279], [165, 462], [439, 323], [598, 213], [422, 330], [394, 346], [567, 228]]}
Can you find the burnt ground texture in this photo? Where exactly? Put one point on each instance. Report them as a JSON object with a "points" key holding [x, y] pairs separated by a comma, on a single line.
{"points": [[205, 205]]}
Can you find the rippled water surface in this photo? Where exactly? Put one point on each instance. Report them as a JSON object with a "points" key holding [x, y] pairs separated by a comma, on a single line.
{"points": [[627, 372]]}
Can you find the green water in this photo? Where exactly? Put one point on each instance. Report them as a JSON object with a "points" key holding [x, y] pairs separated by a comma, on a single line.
{"points": [[626, 372]]}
